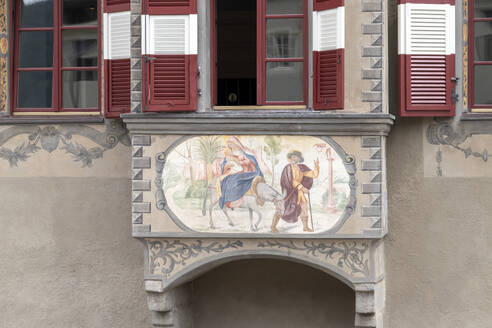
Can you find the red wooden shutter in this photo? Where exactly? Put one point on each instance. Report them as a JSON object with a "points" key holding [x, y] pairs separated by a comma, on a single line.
{"points": [[328, 54], [169, 7], [117, 61], [170, 55], [111, 6], [426, 51]]}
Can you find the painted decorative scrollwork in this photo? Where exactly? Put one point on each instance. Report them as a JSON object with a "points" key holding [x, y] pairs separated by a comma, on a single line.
{"points": [[49, 138], [446, 133], [166, 255], [348, 255]]}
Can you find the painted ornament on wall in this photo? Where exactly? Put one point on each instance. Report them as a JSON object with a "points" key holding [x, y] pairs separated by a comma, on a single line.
{"points": [[256, 184]]}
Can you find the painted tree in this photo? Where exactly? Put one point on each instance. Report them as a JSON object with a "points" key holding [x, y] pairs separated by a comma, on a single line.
{"points": [[272, 149], [189, 160], [208, 149]]}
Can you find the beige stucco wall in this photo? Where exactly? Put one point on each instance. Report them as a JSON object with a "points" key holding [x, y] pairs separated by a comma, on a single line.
{"points": [[67, 258], [438, 263]]}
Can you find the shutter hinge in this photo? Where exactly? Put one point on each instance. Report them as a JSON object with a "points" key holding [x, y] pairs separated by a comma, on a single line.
{"points": [[149, 59], [199, 92], [199, 70], [454, 79], [339, 59], [454, 96]]}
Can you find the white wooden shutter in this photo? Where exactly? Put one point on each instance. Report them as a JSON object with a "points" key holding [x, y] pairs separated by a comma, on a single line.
{"points": [[426, 50], [117, 62], [328, 54], [169, 49]]}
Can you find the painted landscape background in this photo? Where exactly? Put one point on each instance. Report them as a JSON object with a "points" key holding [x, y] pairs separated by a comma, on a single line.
{"points": [[194, 164]]}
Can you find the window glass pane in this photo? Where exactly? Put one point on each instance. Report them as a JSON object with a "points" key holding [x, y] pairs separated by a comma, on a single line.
{"points": [[36, 13], [34, 90], [79, 12], [483, 8], [284, 38], [483, 84], [284, 81], [483, 41], [36, 49], [79, 48], [80, 89], [275, 7]]}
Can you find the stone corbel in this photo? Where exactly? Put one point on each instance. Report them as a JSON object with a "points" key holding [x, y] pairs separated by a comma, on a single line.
{"points": [[172, 308], [369, 305]]}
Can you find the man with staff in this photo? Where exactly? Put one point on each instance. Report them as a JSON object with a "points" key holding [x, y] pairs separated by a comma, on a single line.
{"points": [[296, 181]]}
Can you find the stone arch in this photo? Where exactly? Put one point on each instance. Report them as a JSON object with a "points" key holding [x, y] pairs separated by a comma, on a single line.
{"points": [[169, 299]]}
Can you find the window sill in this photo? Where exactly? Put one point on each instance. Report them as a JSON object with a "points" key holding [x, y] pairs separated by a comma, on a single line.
{"points": [[269, 107], [477, 114], [36, 118]]}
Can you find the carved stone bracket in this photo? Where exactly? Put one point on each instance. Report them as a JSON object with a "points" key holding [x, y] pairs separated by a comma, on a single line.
{"points": [[369, 305], [172, 308]]}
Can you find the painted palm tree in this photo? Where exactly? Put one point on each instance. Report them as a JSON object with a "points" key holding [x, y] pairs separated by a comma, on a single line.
{"points": [[208, 149], [272, 149]]}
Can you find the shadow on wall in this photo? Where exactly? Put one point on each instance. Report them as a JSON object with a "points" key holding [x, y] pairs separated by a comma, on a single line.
{"points": [[271, 293]]}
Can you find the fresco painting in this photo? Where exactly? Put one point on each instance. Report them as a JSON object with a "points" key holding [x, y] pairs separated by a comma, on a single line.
{"points": [[256, 184]]}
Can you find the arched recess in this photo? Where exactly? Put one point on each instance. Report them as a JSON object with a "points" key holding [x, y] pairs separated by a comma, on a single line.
{"points": [[169, 296], [270, 293]]}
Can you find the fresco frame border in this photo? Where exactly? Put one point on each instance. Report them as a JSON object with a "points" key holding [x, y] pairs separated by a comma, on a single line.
{"points": [[349, 162]]}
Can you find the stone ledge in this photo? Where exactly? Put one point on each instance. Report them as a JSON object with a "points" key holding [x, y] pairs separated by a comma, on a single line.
{"points": [[302, 123]]}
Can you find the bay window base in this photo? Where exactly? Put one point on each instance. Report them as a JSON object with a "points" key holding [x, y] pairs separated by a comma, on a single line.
{"points": [[174, 307]]}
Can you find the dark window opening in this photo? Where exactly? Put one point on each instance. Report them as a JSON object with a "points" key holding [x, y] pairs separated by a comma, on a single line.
{"points": [[236, 53]]}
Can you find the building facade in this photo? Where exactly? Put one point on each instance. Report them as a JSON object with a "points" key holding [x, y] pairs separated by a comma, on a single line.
{"points": [[264, 163]]}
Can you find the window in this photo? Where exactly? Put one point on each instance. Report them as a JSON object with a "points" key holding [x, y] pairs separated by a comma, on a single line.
{"points": [[56, 62], [261, 49], [259, 53], [480, 53]]}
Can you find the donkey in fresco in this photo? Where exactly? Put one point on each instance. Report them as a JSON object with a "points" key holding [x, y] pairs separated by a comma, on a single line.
{"points": [[264, 192]]}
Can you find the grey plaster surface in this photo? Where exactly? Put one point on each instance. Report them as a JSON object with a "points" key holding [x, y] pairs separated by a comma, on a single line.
{"points": [[438, 259], [67, 258], [271, 294]]}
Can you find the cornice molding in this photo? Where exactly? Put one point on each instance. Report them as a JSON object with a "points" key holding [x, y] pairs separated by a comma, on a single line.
{"points": [[260, 123]]}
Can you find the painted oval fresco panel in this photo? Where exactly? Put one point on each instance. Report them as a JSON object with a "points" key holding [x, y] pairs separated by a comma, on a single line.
{"points": [[257, 184]]}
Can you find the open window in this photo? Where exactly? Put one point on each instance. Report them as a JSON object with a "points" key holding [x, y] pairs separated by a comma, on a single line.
{"points": [[261, 51], [259, 54]]}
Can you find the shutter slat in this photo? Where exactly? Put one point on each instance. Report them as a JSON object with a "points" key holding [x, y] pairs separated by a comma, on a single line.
{"points": [[111, 6], [170, 83], [434, 70], [328, 78], [170, 7], [327, 4], [117, 87]]}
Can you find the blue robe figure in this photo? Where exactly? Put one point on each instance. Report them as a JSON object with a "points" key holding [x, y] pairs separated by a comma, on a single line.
{"points": [[236, 185]]}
